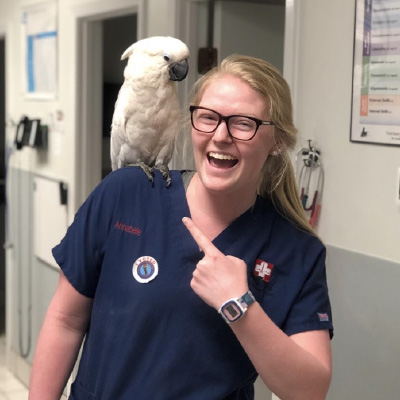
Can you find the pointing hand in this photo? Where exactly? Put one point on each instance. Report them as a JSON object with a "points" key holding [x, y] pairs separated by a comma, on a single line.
{"points": [[217, 277]]}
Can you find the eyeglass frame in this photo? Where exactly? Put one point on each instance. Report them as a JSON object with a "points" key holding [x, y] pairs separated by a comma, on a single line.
{"points": [[226, 119]]}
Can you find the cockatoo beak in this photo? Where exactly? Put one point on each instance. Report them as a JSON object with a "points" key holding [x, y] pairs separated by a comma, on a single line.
{"points": [[178, 70]]}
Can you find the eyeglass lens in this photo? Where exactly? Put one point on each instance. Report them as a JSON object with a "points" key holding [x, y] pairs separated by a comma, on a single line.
{"points": [[240, 127]]}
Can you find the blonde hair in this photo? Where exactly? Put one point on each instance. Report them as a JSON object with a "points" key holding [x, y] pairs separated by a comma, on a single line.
{"points": [[277, 180]]}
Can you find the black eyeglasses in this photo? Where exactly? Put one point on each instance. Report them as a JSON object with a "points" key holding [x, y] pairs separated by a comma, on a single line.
{"points": [[239, 127]]}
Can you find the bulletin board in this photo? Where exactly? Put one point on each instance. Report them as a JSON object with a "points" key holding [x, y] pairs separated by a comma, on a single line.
{"points": [[50, 218], [375, 116], [39, 47]]}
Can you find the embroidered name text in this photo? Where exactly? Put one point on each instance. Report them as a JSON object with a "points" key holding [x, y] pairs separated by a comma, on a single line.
{"points": [[128, 228]]}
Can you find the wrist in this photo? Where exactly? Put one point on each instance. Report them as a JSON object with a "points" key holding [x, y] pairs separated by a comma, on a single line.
{"points": [[235, 308]]}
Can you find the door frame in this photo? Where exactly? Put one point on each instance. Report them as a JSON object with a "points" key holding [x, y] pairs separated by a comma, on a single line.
{"points": [[88, 18], [187, 26], [9, 265]]}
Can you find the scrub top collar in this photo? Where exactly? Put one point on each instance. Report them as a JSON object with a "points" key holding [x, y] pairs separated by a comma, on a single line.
{"points": [[256, 218]]}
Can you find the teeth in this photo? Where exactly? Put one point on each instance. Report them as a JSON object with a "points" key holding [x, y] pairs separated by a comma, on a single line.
{"points": [[221, 156]]}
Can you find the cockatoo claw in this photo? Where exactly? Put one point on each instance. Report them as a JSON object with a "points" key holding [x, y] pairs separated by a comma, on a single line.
{"points": [[146, 169], [164, 172]]}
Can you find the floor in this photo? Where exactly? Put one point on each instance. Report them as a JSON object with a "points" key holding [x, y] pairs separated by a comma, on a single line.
{"points": [[10, 387]]}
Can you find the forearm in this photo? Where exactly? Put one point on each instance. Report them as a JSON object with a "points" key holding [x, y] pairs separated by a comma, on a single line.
{"points": [[59, 342], [55, 356], [289, 370]]}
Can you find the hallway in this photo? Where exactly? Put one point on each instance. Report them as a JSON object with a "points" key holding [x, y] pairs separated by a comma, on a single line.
{"points": [[10, 387]]}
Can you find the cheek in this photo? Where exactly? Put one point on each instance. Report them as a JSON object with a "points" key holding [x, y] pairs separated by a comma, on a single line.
{"points": [[195, 136], [265, 145], [198, 144], [195, 141], [260, 154], [259, 160], [260, 150]]}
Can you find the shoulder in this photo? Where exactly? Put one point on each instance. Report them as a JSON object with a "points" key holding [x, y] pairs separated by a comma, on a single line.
{"points": [[134, 175], [124, 191], [126, 175], [121, 181], [133, 182]]}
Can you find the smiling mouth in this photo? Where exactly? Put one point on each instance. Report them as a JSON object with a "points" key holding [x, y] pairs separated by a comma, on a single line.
{"points": [[221, 160]]}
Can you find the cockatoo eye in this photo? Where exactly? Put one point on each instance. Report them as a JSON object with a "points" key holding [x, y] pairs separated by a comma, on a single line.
{"points": [[166, 57]]}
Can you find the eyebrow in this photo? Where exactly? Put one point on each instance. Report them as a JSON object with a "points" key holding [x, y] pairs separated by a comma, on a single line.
{"points": [[228, 115]]}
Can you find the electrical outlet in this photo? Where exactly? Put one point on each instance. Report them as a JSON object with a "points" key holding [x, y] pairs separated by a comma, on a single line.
{"points": [[398, 187]]}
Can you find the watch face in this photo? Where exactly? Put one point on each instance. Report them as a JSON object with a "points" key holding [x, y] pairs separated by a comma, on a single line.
{"points": [[232, 311]]}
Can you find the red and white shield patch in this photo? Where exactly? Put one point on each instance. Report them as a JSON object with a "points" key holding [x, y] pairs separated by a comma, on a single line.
{"points": [[263, 270]]}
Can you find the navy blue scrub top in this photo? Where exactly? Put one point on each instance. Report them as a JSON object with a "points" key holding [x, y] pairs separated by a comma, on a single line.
{"points": [[151, 336]]}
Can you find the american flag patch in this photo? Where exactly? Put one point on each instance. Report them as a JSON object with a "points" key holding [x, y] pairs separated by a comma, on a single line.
{"points": [[323, 317]]}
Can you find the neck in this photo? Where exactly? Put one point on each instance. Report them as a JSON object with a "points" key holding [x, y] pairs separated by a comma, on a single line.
{"points": [[216, 210]]}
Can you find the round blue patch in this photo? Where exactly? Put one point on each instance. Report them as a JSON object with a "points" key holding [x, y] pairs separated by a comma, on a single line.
{"points": [[145, 269]]}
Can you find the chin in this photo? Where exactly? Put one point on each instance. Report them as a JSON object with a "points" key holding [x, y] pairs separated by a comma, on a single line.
{"points": [[224, 180], [222, 183]]}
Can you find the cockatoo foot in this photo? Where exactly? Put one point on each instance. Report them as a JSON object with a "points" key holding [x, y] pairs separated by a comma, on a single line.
{"points": [[164, 172], [146, 169]]}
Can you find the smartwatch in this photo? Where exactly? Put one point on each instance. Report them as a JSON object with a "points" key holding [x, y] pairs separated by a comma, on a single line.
{"points": [[234, 309]]}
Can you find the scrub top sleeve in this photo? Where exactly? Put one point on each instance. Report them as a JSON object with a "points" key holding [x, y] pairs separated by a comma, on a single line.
{"points": [[80, 253], [311, 309]]}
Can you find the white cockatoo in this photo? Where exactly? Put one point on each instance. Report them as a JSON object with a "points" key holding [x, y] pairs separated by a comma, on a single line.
{"points": [[146, 117]]}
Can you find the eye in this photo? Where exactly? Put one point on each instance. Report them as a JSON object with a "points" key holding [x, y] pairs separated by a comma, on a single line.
{"points": [[243, 123], [206, 115], [166, 57]]}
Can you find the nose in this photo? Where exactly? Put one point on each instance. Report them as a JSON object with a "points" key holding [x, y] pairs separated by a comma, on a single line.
{"points": [[221, 133]]}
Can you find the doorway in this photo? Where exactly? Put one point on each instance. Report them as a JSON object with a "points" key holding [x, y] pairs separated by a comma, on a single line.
{"points": [[104, 38], [118, 34]]}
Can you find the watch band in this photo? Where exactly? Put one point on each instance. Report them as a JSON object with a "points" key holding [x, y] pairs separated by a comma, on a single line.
{"points": [[234, 309], [247, 299]]}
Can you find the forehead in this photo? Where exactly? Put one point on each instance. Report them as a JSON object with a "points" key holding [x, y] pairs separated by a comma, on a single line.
{"points": [[229, 94]]}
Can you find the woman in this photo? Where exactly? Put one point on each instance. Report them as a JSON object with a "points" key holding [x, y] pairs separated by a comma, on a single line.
{"points": [[145, 288]]}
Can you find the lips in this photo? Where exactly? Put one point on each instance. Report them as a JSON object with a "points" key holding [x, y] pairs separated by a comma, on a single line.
{"points": [[220, 160]]}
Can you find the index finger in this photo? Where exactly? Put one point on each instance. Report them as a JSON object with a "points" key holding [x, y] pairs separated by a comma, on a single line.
{"points": [[200, 238]]}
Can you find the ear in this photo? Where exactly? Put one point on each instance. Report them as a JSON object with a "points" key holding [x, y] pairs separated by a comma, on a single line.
{"points": [[276, 151], [128, 52]]}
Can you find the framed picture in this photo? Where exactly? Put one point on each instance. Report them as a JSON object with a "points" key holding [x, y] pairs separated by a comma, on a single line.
{"points": [[39, 47], [375, 114]]}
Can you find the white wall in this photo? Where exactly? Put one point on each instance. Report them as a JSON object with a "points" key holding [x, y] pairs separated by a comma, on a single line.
{"points": [[358, 207]]}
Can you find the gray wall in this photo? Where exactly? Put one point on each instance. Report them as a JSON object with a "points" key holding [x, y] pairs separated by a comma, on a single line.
{"points": [[365, 298], [33, 282], [253, 29]]}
